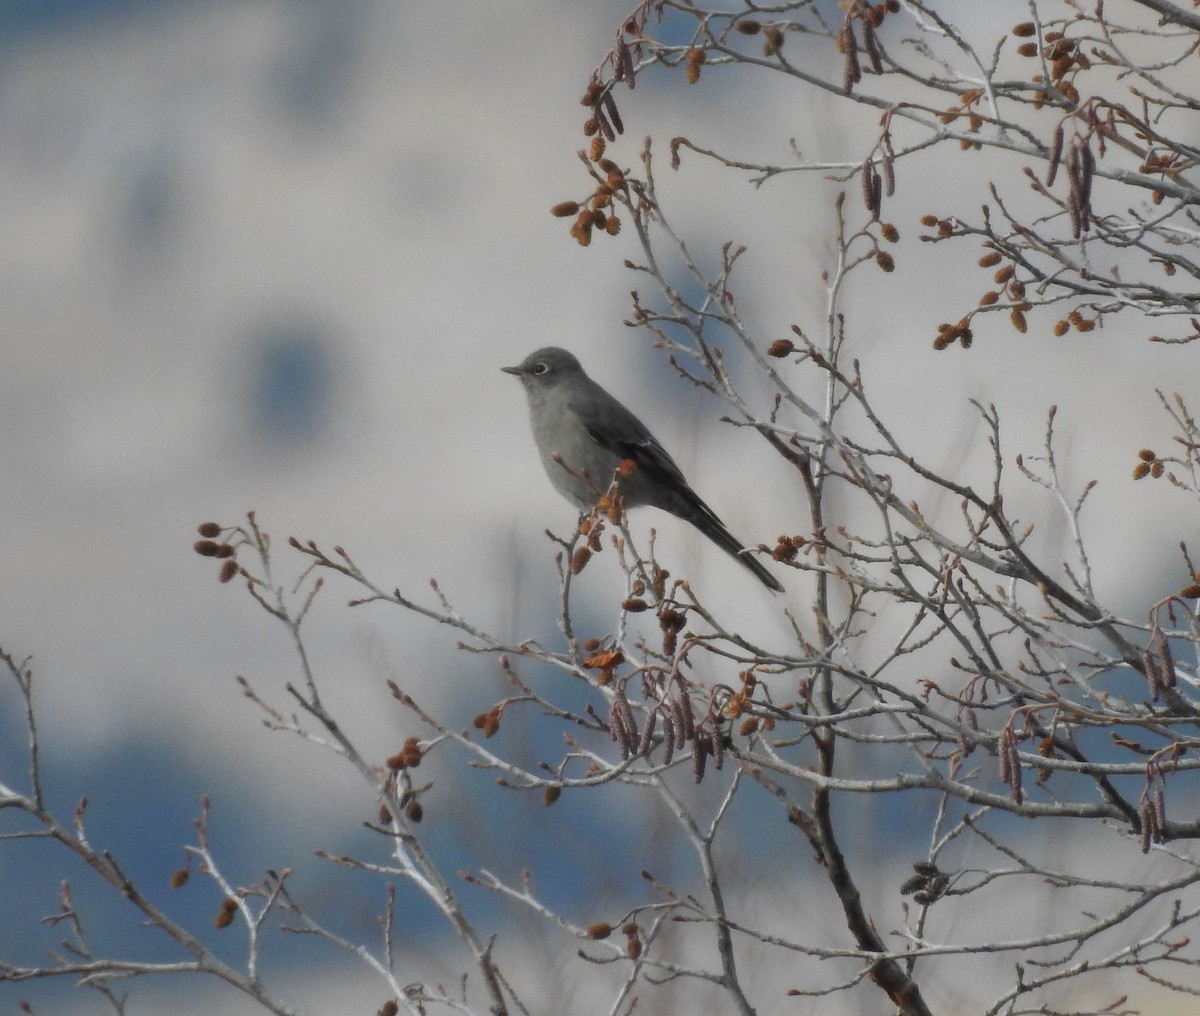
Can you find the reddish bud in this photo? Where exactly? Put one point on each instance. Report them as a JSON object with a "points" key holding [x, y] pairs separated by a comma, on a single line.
{"points": [[491, 722], [224, 916]]}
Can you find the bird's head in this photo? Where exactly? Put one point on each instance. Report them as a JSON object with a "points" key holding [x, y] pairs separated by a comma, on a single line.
{"points": [[545, 368]]}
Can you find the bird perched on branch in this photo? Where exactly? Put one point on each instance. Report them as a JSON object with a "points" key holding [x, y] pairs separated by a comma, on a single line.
{"points": [[586, 438]]}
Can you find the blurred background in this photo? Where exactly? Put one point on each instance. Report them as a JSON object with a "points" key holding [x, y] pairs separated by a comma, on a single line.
{"points": [[271, 255]]}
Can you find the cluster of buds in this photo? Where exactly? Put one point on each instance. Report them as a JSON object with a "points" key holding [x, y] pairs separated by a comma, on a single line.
{"points": [[409, 757], [633, 939], [1064, 58], [671, 622], [410, 800], [605, 120], [949, 333], [927, 884], [967, 102], [945, 227], [595, 213], [224, 551], [608, 507], [591, 527], [1149, 464], [772, 34], [1077, 321], [636, 603], [398, 765], [1168, 165], [787, 547], [1011, 290], [488, 722], [738, 703]]}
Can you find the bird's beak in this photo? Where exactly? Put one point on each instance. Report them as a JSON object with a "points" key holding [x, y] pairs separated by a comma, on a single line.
{"points": [[512, 370]]}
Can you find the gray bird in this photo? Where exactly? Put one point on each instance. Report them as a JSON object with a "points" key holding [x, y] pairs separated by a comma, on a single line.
{"points": [[583, 434]]}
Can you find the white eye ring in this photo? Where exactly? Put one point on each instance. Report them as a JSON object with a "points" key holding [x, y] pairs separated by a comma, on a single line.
{"points": [[540, 368]]}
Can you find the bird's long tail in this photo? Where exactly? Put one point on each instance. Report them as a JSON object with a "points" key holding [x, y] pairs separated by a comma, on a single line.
{"points": [[706, 520]]}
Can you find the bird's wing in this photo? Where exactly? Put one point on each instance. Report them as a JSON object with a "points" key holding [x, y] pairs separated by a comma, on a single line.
{"points": [[615, 428]]}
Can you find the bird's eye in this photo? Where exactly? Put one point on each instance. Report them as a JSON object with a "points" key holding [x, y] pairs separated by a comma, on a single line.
{"points": [[541, 368]]}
